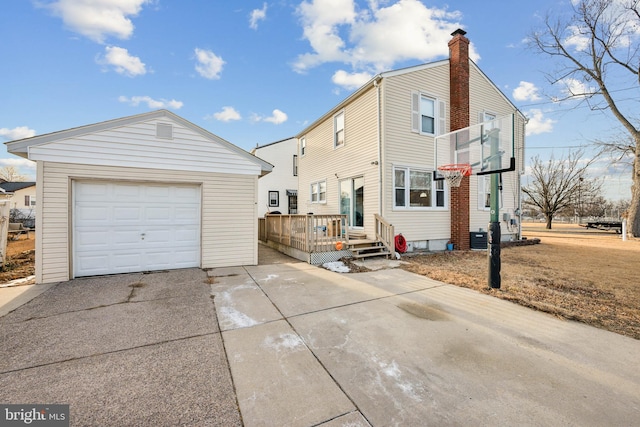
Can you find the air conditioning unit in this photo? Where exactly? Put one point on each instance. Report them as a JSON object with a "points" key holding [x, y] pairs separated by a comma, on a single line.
{"points": [[478, 239]]}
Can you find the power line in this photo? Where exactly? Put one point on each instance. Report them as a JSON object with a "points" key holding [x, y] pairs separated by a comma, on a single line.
{"points": [[557, 102]]}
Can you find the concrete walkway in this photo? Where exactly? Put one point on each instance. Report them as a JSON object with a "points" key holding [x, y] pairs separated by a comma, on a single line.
{"points": [[310, 347]]}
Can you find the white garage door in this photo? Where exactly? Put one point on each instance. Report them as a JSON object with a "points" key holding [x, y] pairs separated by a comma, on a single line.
{"points": [[122, 227]]}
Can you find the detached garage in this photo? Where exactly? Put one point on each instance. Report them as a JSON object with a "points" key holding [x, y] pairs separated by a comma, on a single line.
{"points": [[141, 193]]}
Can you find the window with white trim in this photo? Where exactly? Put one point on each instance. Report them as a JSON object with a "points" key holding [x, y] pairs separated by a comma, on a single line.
{"points": [[274, 198], [338, 130], [303, 146], [318, 192], [484, 192], [29, 201], [295, 165], [428, 115], [415, 188]]}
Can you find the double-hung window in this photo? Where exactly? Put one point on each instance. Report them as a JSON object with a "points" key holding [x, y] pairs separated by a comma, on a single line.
{"points": [[318, 192], [274, 198], [303, 146], [427, 114], [338, 130], [295, 165], [415, 188]]}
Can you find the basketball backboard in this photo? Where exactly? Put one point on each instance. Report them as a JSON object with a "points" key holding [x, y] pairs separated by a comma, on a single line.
{"points": [[487, 147]]}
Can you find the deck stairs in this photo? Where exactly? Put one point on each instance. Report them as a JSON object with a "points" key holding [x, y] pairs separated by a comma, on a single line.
{"points": [[361, 247]]}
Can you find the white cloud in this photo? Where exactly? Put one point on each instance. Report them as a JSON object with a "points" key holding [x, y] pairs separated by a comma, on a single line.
{"points": [[526, 91], [19, 132], [578, 38], [537, 123], [134, 101], [99, 19], [226, 115], [209, 64], [257, 15], [122, 62], [375, 38], [350, 81], [25, 167], [576, 89], [277, 117]]}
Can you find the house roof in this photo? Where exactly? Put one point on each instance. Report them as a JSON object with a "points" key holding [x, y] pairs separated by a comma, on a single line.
{"points": [[392, 73], [11, 187], [21, 147], [257, 147]]}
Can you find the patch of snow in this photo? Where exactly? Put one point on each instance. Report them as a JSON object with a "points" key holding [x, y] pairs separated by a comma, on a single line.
{"points": [[284, 342], [232, 318], [337, 266]]}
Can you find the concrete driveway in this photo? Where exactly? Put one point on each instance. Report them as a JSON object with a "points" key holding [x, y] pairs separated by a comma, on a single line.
{"points": [[297, 345], [124, 350], [310, 347]]}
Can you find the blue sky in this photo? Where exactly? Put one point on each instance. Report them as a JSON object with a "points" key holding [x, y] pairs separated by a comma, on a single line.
{"points": [[255, 72]]}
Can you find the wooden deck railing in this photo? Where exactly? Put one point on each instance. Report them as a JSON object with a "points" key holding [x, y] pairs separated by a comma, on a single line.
{"points": [[385, 233], [307, 233]]}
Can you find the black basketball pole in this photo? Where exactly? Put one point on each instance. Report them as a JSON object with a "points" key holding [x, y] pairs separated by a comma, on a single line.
{"points": [[494, 224], [494, 234]]}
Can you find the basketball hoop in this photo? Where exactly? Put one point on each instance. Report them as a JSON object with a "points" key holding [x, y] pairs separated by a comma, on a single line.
{"points": [[454, 173]]}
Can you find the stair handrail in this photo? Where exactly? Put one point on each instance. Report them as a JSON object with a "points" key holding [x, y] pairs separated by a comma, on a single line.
{"points": [[385, 233]]}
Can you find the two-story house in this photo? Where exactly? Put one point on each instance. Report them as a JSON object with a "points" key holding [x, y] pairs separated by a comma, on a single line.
{"points": [[374, 153], [278, 191]]}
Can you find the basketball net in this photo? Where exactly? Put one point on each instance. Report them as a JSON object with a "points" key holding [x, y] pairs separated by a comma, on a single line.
{"points": [[454, 173]]}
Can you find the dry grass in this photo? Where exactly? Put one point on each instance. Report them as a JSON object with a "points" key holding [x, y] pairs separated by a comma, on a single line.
{"points": [[585, 275], [20, 260]]}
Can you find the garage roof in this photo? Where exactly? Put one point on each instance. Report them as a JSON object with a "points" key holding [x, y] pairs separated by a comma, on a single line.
{"points": [[36, 148]]}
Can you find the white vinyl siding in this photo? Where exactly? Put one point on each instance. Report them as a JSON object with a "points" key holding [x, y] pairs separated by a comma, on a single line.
{"points": [[137, 146], [357, 158], [282, 177], [405, 147], [229, 214]]}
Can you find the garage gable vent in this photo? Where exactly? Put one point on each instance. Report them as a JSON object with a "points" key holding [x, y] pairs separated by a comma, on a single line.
{"points": [[164, 130]]}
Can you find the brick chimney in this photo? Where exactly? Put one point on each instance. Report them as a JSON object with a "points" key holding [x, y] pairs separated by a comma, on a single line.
{"points": [[459, 119]]}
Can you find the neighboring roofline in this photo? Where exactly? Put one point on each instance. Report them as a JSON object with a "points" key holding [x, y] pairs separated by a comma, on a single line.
{"points": [[21, 147], [27, 184], [271, 143]]}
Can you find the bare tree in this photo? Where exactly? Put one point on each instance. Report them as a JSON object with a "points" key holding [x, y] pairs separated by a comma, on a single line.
{"points": [[560, 184], [599, 47], [11, 174]]}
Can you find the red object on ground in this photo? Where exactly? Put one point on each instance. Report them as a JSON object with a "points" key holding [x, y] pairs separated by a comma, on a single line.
{"points": [[401, 244]]}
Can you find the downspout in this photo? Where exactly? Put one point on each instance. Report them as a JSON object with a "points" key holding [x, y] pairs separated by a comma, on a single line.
{"points": [[378, 130]]}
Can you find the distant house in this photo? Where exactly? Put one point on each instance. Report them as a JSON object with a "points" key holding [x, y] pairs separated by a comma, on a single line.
{"points": [[374, 153], [140, 193], [24, 195], [278, 191]]}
